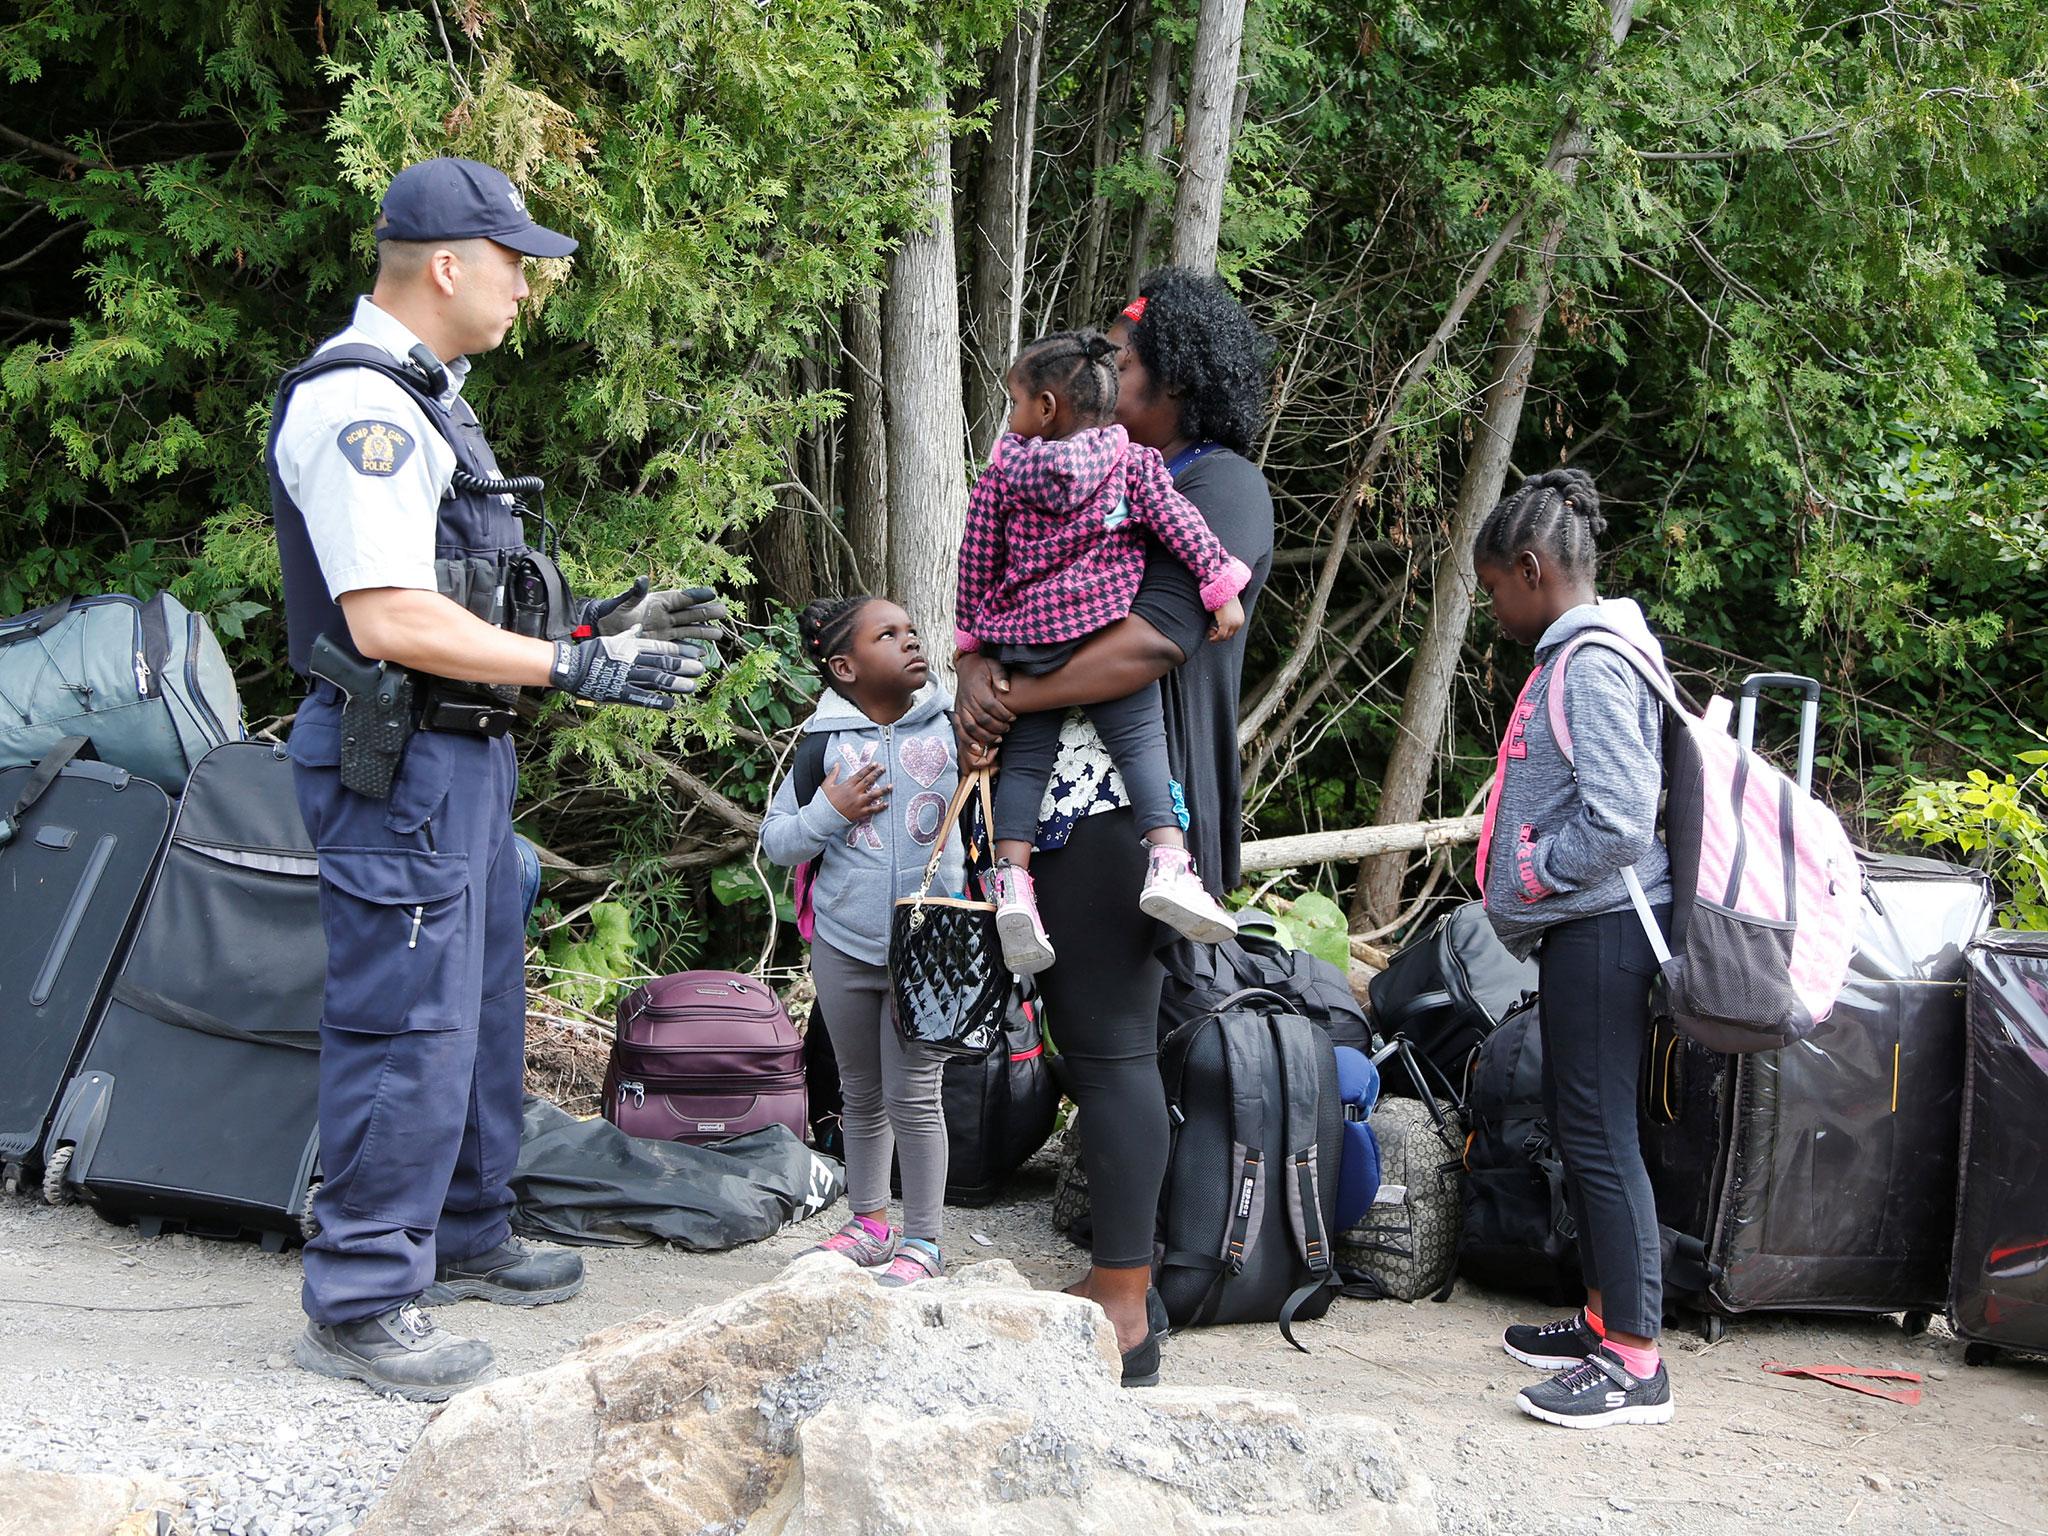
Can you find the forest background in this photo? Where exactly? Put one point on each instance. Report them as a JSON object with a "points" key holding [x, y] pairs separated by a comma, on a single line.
{"points": [[1774, 271]]}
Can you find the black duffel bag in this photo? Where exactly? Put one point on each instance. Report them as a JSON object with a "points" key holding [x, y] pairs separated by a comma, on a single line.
{"points": [[1444, 993]]}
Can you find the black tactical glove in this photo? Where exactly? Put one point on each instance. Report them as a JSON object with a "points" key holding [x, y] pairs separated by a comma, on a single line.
{"points": [[672, 614], [624, 669]]}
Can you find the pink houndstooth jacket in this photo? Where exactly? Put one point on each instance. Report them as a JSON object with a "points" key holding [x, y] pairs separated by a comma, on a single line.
{"points": [[1055, 541]]}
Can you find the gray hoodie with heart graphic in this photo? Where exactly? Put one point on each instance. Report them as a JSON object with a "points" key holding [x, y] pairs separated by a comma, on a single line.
{"points": [[864, 867]]}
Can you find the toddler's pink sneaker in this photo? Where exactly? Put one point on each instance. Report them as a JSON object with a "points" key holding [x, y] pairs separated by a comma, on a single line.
{"points": [[1178, 899], [1026, 949]]}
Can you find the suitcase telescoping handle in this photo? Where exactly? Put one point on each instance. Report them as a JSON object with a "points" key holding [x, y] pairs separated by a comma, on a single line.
{"points": [[1808, 690]]}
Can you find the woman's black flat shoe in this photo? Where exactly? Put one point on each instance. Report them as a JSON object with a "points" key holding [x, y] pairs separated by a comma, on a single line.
{"points": [[1141, 1362]]}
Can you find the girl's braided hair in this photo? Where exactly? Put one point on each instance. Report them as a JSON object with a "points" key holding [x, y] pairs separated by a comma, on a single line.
{"points": [[1556, 513], [1078, 367], [825, 629]]}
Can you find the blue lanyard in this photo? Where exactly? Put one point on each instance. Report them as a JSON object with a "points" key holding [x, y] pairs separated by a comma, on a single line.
{"points": [[1187, 456]]}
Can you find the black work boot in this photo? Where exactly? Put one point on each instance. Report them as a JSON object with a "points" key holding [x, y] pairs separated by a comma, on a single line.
{"points": [[511, 1273], [401, 1353]]}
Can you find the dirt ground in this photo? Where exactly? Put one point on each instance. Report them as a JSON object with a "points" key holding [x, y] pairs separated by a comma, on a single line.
{"points": [[1748, 1451]]}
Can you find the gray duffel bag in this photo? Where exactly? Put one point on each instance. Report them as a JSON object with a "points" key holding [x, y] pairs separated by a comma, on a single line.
{"points": [[146, 682]]}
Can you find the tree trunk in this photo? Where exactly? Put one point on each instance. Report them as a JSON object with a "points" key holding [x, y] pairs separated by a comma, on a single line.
{"points": [[927, 419], [864, 465], [1109, 104], [1152, 141], [1002, 208], [1205, 145], [782, 549], [1427, 698]]}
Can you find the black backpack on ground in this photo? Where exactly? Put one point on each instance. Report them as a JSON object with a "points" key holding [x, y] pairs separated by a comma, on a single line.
{"points": [[1446, 991], [1518, 1232], [1199, 974], [1249, 1204], [1518, 1229]]}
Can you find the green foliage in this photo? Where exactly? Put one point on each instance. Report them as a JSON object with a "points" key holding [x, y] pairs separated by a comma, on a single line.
{"points": [[2000, 824], [1316, 923], [586, 972]]}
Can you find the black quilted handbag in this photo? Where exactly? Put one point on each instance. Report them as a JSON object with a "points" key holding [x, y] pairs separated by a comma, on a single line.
{"points": [[945, 963]]}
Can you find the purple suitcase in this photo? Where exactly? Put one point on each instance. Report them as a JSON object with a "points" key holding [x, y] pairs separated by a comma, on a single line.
{"points": [[703, 1055]]}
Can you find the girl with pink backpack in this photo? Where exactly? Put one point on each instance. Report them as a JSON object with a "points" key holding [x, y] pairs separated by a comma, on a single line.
{"points": [[1565, 819]]}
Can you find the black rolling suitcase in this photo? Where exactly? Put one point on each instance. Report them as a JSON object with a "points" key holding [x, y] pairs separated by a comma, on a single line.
{"points": [[999, 1108], [1821, 1177], [195, 1102], [1998, 1287], [79, 841]]}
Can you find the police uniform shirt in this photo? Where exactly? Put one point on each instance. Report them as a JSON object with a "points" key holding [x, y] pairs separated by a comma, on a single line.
{"points": [[361, 461]]}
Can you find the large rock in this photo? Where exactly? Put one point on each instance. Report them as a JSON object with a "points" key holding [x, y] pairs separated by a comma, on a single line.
{"points": [[83, 1504], [822, 1405]]}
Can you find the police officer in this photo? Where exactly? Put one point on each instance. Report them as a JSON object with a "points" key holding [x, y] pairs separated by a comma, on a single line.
{"points": [[396, 553]]}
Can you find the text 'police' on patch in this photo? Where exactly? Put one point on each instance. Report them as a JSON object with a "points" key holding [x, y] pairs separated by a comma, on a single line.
{"points": [[375, 447]]}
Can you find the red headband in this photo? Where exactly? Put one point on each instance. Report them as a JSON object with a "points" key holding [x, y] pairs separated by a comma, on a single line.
{"points": [[1135, 310]]}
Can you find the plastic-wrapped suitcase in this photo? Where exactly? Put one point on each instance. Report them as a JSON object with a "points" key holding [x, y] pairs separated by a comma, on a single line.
{"points": [[196, 1101], [1821, 1176], [1998, 1285], [79, 841]]}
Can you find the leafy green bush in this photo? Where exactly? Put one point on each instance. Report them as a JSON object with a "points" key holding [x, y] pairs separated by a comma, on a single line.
{"points": [[2000, 824]]}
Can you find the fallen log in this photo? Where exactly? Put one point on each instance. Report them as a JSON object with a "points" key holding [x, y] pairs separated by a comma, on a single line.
{"points": [[1357, 843]]}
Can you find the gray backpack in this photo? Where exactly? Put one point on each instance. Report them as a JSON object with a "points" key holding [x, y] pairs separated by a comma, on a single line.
{"points": [[144, 681]]}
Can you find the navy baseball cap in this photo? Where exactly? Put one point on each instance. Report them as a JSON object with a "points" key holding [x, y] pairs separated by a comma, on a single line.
{"points": [[448, 198]]}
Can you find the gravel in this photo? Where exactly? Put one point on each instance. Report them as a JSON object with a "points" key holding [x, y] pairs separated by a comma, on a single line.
{"points": [[285, 1454]]}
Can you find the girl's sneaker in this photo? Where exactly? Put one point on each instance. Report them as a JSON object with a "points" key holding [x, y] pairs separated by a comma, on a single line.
{"points": [[1175, 896], [1026, 949], [916, 1260], [856, 1242], [1555, 1346], [1596, 1392]]}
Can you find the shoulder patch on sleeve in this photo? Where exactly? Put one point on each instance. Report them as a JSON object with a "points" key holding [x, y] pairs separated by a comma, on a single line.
{"points": [[375, 448]]}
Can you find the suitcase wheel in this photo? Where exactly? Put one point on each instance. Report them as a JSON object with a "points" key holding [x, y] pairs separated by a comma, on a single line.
{"points": [[1980, 1354], [55, 1190], [1915, 1323], [1713, 1327]]}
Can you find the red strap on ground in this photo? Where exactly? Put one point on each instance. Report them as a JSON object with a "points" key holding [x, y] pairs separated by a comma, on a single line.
{"points": [[1855, 1378]]}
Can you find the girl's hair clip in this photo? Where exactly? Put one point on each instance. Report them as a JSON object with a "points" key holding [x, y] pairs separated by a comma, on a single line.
{"points": [[1135, 310]]}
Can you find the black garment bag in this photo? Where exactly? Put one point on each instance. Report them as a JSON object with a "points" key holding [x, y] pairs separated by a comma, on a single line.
{"points": [[196, 1101], [79, 841]]}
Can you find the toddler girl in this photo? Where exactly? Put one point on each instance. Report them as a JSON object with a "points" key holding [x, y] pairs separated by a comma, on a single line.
{"points": [[1054, 549]]}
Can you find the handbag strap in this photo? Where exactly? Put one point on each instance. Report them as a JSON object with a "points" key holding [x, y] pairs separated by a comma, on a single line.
{"points": [[969, 784]]}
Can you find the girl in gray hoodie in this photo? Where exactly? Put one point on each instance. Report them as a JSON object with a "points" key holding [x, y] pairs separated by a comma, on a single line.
{"points": [[890, 768], [1558, 833]]}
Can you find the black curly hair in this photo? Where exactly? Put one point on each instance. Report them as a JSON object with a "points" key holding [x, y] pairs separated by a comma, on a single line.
{"points": [[1197, 340], [826, 630], [1556, 513], [1078, 367]]}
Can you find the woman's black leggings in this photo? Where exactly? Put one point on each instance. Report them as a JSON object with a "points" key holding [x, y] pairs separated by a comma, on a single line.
{"points": [[1102, 1002], [1595, 974]]}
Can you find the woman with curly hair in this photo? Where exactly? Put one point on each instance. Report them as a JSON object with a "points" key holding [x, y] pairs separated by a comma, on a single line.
{"points": [[1193, 373]]}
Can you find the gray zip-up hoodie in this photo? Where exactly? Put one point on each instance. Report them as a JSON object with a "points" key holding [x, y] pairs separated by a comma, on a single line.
{"points": [[865, 866], [1561, 836]]}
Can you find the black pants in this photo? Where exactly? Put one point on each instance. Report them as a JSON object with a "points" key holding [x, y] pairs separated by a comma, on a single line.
{"points": [[1595, 980], [1133, 728], [1102, 996]]}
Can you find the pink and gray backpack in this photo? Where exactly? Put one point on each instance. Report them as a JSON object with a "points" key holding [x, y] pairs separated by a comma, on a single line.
{"points": [[1765, 883]]}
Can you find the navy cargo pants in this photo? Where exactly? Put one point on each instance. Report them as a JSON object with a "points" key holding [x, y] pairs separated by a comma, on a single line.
{"points": [[423, 1031]]}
